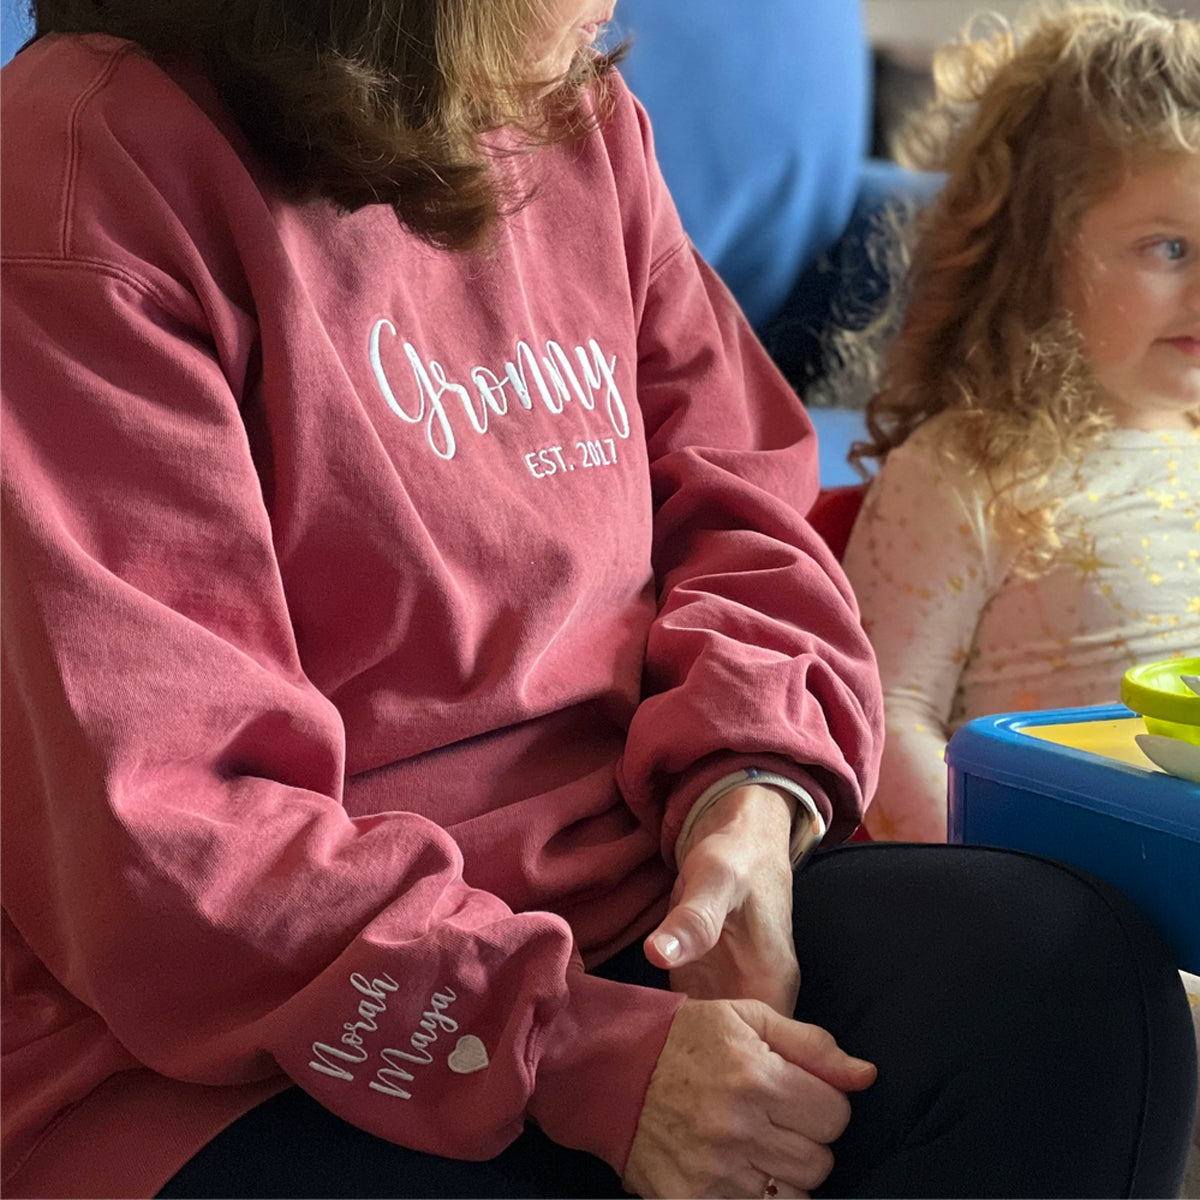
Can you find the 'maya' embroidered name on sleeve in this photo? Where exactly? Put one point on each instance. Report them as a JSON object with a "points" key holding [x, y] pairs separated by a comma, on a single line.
{"points": [[354, 1049], [585, 378]]}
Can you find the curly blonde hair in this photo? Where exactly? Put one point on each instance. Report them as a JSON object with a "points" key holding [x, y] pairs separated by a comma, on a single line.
{"points": [[372, 101], [1031, 123]]}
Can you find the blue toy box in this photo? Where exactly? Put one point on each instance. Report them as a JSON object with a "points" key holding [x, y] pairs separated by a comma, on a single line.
{"points": [[1072, 785]]}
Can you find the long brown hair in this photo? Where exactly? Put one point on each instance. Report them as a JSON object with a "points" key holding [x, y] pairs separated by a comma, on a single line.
{"points": [[1031, 124], [370, 101]]}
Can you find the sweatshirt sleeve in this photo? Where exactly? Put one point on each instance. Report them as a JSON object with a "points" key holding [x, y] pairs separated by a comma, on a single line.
{"points": [[757, 656], [918, 558], [176, 851]]}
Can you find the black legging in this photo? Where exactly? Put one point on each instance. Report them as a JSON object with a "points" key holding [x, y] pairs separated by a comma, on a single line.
{"points": [[1030, 1030]]}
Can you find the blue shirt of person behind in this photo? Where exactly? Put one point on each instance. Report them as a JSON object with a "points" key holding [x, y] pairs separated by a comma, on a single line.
{"points": [[762, 118], [16, 25]]}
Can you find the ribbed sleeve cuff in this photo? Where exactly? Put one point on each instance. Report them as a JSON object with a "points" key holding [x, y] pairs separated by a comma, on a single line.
{"points": [[596, 1060]]}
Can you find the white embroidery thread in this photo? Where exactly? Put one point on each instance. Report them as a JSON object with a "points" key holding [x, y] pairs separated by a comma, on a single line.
{"points": [[329, 1059], [554, 378], [371, 1006], [469, 1056], [388, 1079]]}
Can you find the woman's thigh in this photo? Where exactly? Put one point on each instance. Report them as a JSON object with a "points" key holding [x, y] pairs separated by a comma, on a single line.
{"points": [[1029, 1027], [292, 1147]]}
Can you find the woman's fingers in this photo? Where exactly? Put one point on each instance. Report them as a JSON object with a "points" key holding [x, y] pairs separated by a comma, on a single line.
{"points": [[755, 957], [706, 892], [781, 1189], [796, 1163], [730, 1105], [728, 932], [808, 1047]]}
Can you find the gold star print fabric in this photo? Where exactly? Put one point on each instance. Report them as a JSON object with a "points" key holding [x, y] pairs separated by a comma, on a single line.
{"points": [[960, 632]]}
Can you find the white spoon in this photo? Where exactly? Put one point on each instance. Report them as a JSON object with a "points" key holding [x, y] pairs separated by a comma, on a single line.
{"points": [[1174, 756], [1192, 681]]}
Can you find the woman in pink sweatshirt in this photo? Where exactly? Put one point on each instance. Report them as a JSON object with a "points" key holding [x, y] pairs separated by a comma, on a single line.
{"points": [[421, 679]]}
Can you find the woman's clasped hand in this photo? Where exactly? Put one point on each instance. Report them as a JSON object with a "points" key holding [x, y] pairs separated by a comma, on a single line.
{"points": [[740, 1096]]}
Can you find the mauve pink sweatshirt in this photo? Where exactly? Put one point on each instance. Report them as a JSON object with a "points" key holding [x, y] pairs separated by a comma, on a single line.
{"points": [[372, 615]]}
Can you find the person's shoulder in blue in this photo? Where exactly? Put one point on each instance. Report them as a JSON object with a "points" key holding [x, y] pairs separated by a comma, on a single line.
{"points": [[763, 115], [762, 119], [16, 25]]}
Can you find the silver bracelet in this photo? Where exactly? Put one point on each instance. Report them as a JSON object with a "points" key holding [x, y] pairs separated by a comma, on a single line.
{"points": [[808, 827]]}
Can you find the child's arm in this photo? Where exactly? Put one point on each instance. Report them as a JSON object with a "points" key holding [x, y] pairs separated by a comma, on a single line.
{"points": [[917, 559]]}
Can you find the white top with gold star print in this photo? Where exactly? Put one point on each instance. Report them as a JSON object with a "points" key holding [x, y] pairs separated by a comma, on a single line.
{"points": [[960, 633]]}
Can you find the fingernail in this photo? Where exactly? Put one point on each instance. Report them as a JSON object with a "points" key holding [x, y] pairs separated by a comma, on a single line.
{"points": [[668, 946], [860, 1062]]}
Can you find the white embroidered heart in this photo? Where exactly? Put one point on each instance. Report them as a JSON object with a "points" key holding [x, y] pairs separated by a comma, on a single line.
{"points": [[468, 1056]]}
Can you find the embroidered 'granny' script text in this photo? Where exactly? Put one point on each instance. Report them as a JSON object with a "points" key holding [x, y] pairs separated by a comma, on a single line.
{"points": [[555, 378], [336, 1061]]}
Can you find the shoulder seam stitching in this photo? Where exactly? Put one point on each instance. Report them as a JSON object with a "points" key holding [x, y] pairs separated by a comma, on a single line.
{"points": [[98, 266], [665, 257], [72, 170]]}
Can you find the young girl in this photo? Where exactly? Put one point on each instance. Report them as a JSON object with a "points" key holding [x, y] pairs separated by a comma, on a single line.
{"points": [[1034, 528]]}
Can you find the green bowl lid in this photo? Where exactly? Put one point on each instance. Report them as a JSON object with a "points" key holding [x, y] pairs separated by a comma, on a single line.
{"points": [[1157, 690]]}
